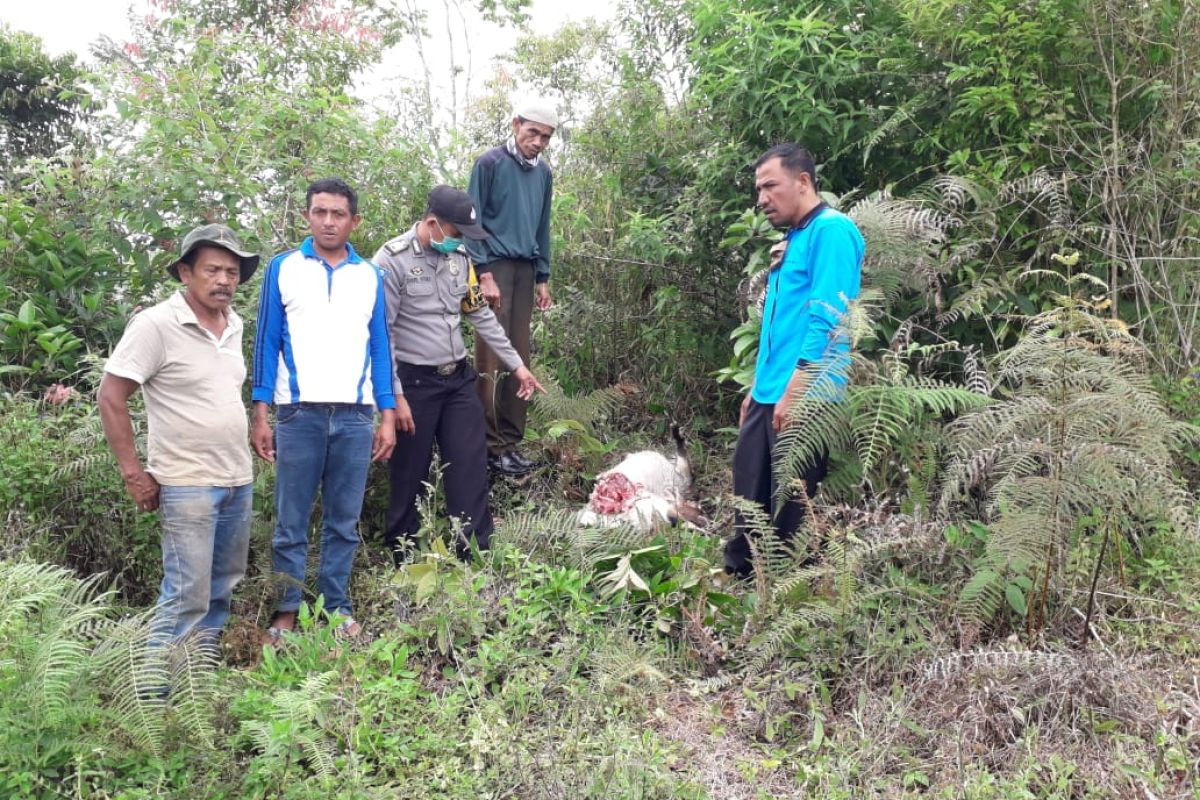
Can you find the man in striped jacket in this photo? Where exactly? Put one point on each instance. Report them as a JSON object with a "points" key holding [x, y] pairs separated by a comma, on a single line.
{"points": [[323, 358]]}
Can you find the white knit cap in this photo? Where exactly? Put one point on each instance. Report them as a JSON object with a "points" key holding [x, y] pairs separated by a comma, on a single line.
{"points": [[537, 110]]}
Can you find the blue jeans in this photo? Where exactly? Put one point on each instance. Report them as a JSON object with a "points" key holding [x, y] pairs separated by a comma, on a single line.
{"points": [[206, 536], [325, 446]]}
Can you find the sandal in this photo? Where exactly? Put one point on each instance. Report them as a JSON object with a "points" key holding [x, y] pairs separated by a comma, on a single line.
{"points": [[348, 630], [274, 634]]}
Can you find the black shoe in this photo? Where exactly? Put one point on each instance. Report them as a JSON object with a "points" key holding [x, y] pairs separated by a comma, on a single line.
{"points": [[504, 464], [525, 463], [740, 570]]}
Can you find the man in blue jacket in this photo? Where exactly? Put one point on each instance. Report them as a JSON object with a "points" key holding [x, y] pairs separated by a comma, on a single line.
{"points": [[511, 186], [322, 356], [807, 293]]}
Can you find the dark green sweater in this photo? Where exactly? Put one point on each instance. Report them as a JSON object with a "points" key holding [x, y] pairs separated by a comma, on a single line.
{"points": [[513, 203]]}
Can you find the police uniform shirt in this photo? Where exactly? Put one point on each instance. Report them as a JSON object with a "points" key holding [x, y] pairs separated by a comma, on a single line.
{"points": [[424, 290]]}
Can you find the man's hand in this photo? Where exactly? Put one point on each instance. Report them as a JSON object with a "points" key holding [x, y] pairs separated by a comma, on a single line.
{"points": [[541, 296], [796, 388], [143, 488], [113, 400], [262, 438], [745, 408], [528, 383], [490, 291], [385, 435], [404, 417]]}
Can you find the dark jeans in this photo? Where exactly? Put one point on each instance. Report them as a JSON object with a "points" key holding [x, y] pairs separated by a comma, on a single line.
{"points": [[754, 480], [503, 411], [445, 410]]}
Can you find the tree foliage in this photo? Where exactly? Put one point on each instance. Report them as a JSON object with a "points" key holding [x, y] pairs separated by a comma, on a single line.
{"points": [[42, 99]]}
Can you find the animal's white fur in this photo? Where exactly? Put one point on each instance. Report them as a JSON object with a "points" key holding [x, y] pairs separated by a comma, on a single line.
{"points": [[664, 487]]}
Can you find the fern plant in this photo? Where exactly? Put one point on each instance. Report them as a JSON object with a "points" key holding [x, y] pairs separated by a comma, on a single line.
{"points": [[1080, 427], [568, 422], [586, 409], [295, 729], [72, 674], [799, 597], [879, 409]]}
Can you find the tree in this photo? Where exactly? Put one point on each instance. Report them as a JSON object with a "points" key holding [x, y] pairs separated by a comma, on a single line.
{"points": [[40, 98], [226, 114]]}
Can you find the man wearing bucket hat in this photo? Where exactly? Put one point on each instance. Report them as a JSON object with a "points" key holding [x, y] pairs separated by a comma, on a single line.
{"points": [[511, 187], [430, 285], [186, 356]]}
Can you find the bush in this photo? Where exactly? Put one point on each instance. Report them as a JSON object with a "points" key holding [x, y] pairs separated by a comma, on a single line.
{"points": [[64, 498]]}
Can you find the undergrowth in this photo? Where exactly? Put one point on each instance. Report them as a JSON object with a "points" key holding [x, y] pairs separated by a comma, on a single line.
{"points": [[569, 662]]}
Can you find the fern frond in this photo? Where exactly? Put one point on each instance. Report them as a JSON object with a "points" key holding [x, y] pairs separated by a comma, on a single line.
{"points": [[74, 474], [899, 116], [586, 409], [783, 632], [29, 587], [319, 751], [45, 627], [60, 661], [556, 536], [953, 193], [137, 676], [977, 378], [295, 722], [193, 668], [816, 427], [624, 661], [947, 666], [716, 683], [1041, 190], [980, 598], [973, 302], [881, 414]]}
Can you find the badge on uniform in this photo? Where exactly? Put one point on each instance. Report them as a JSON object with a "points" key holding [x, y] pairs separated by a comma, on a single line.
{"points": [[454, 270], [474, 299], [416, 271]]}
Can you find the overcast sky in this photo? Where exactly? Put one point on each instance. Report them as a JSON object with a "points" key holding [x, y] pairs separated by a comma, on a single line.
{"points": [[72, 25]]}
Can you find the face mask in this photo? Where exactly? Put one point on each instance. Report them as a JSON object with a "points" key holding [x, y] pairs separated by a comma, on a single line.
{"points": [[447, 245]]}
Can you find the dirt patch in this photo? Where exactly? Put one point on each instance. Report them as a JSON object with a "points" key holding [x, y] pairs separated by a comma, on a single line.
{"points": [[722, 755]]}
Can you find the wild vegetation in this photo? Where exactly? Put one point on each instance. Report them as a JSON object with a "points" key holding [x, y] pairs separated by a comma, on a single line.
{"points": [[996, 593]]}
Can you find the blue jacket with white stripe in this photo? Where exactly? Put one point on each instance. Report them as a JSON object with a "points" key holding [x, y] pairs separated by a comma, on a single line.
{"points": [[322, 332]]}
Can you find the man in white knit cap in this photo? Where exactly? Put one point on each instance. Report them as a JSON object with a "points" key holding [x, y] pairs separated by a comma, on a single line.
{"points": [[511, 188]]}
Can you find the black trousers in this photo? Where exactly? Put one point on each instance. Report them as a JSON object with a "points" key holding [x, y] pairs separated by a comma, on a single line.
{"points": [[446, 410], [754, 480]]}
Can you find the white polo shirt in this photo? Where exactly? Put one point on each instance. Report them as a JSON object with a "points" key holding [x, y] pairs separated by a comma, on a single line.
{"points": [[192, 383]]}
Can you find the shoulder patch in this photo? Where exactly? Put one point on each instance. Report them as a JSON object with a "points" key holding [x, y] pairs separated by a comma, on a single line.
{"points": [[397, 246]]}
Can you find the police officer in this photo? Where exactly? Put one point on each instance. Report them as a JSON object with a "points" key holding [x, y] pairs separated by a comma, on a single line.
{"points": [[430, 284]]}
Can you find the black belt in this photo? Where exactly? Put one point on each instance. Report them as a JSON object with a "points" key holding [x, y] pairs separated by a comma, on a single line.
{"points": [[443, 370]]}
